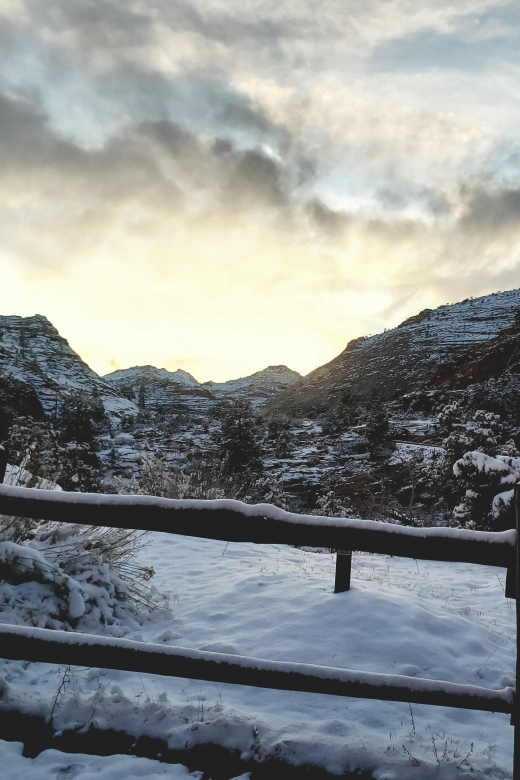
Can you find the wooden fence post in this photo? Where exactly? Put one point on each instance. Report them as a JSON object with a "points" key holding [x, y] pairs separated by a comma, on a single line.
{"points": [[3, 463], [343, 570], [515, 717]]}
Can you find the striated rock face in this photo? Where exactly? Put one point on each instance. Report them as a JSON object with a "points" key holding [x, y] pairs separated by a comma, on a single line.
{"points": [[488, 360], [178, 391], [132, 377], [405, 358], [257, 387], [171, 392], [33, 352]]}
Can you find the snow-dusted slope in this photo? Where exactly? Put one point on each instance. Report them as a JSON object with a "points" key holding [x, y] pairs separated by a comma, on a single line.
{"points": [[175, 391], [32, 350], [145, 374], [257, 387], [172, 392], [404, 358]]}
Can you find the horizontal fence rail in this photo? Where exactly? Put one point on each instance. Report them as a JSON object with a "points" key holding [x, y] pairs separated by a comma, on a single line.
{"points": [[234, 521], [62, 647]]}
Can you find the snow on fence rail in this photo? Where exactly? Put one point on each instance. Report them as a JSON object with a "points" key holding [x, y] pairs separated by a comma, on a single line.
{"points": [[234, 521], [63, 647]]}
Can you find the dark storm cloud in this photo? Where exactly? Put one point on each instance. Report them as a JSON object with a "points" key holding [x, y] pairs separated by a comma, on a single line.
{"points": [[332, 223], [221, 109], [157, 165], [491, 209], [31, 151]]}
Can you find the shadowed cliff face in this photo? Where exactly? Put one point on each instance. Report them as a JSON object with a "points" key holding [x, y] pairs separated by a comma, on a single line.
{"points": [[405, 358]]}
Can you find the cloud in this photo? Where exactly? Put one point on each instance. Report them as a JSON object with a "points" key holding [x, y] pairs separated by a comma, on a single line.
{"points": [[491, 209], [290, 177]]}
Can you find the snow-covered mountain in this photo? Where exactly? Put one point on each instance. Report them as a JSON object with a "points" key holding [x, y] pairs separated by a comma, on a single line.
{"points": [[171, 392], [407, 357], [177, 391], [130, 377], [257, 387], [425, 350], [32, 351]]}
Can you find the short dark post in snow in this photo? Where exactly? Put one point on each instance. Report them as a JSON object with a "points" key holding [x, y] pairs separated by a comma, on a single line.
{"points": [[515, 717], [343, 569], [3, 463]]}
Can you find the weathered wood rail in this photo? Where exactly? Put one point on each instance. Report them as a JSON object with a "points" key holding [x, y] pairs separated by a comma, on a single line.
{"points": [[233, 521]]}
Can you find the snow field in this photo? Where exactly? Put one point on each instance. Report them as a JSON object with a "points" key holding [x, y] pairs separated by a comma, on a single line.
{"points": [[425, 619], [54, 764]]}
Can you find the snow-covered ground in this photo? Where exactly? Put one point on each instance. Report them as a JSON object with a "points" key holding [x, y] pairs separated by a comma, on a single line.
{"points": [[65, 766], [425, 619]]}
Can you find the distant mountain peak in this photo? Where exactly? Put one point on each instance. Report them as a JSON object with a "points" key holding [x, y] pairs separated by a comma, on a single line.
{"points": [[258, 386], [149, 373]]}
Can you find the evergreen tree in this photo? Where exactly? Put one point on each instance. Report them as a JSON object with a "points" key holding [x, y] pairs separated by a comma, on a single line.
{"points": [[378, 430], [283, 445], [81, 418], [486, 485], [17, 399], [141, 398], [239, 437], [343, 416], [483, 432]]}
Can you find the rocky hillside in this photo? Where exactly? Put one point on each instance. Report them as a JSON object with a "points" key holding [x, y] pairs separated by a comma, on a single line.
{"points": [[257, 387], [170, 392], [33, 352], [407, 357], [488, 360], [175, 392]]}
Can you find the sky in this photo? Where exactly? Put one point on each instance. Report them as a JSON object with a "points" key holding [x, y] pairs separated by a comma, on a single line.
{"points": [[221, 186]]}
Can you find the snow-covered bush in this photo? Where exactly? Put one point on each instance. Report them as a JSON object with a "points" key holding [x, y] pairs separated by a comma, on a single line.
{"points": [[67, 580], [488, 489], [64, 575], [500, 396], [38, 448], [483, 432], [33, 445]]}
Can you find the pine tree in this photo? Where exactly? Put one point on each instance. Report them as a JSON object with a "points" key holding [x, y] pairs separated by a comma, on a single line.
{"points": [[378, 430], [81, 417], [141, 398], [239, 437]]}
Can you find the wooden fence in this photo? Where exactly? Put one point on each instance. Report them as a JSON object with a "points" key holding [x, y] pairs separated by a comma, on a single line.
{"points": [[233, 521]]}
